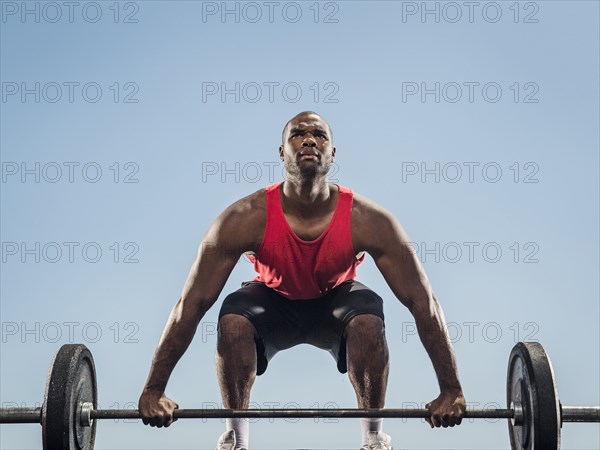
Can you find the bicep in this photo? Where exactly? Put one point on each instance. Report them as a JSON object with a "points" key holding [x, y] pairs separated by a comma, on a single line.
{"points": [[395, 257], [218, 253], [208, 273]]}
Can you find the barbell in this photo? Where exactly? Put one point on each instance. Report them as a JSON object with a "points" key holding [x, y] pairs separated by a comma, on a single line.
{"points": [[68, 415]]}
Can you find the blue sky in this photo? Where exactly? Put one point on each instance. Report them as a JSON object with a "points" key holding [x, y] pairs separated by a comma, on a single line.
{"points": [[126, 128]]}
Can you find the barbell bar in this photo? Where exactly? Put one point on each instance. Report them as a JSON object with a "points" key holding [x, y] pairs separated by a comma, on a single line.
{"points": [[68, 415], [88, 413]]}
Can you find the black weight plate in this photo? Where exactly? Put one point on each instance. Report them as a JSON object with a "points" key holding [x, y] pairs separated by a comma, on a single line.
{"points": [[530, 381], [71, 381]]}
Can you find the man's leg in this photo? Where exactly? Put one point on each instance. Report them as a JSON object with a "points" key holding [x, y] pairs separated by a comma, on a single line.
{"points": [[236, 369], [368, 360], [368, 366]]}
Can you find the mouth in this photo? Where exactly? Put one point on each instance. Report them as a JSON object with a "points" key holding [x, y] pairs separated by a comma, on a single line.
{"points": [[308, 156]]}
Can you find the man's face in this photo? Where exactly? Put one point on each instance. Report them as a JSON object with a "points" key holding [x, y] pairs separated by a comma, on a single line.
{"points": [[306, 149]]}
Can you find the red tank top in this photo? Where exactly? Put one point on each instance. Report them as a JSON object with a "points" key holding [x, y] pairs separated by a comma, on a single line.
{"points": [[299, 269]]}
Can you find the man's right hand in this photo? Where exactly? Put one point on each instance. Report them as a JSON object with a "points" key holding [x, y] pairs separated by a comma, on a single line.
{"points": [[156, 409]]}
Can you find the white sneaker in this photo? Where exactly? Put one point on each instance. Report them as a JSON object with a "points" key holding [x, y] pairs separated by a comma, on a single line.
{"points": [[378, 440], [226, 441]]}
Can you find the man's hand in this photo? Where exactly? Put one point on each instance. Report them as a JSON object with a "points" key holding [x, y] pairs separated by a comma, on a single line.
{"points": [[447, 410], [156, 409]]}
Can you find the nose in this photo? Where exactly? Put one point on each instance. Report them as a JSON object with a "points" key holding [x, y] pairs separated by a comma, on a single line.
{"points": [[309, 141]]}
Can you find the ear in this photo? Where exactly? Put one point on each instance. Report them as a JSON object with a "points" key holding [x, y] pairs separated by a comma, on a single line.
{"points": [[281, 152], [333, 153]]}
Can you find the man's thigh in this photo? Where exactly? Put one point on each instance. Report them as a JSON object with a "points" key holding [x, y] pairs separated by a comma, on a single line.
{"points": [[278, 322], [282, 323], [346, 301]]}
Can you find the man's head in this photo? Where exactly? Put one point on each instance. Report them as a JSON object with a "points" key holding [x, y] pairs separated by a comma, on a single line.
{"points": [[301, 115], [306, 148]]}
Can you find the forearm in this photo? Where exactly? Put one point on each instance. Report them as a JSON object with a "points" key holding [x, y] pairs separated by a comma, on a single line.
{"points": [[431, 326], [176, 338]]}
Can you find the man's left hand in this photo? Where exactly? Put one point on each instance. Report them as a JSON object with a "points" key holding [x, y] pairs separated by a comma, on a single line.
{"points": [[447, 410]]}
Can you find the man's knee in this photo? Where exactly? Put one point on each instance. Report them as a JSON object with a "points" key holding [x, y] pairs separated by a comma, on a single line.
{"points": [[236, 355], [365, 338], [366, 346], [366, 326], [235, 330]]}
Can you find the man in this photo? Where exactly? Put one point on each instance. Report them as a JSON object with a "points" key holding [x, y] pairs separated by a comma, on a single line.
{"points": [[305, 237]]}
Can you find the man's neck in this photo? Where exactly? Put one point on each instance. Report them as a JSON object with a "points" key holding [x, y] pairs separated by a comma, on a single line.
{"points": [[307, 197]]}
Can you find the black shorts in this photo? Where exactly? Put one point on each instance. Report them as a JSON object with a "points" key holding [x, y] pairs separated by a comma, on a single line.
{"points": [[282, 323]]}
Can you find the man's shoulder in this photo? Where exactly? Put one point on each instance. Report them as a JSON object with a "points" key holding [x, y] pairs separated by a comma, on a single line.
{"points": [[242, 223], [251, 201], [372, 225], [248, 207], [363, 208]]}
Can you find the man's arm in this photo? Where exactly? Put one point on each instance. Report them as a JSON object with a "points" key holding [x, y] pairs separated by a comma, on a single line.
{"points": [[382, 236], [229, 236]]}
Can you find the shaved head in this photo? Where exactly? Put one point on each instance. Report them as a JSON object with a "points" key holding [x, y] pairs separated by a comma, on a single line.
{"points": [[307, 114]]}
